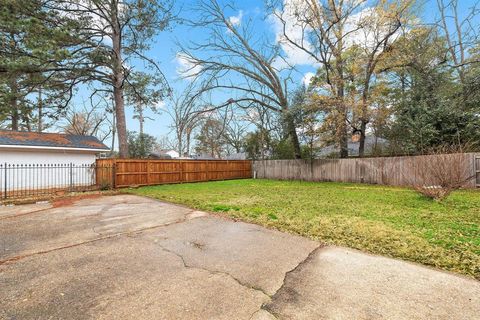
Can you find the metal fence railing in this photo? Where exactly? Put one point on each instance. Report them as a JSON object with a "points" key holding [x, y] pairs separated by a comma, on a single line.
{"points": [[36, 180]]}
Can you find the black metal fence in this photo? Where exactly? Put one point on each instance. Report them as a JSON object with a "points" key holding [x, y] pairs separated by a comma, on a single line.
{"points": [[37, 180]]}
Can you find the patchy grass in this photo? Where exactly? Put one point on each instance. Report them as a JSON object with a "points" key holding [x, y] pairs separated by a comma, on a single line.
{"points": [[395, 222]]}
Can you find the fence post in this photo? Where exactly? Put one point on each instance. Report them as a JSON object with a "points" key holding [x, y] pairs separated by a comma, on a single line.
{"points": [[207, 163], [5, 182], [148, 172], [114, 174], [182, 178], [71, 176], [476, 170]]}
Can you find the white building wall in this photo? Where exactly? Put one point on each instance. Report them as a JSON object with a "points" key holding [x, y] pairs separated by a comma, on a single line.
{"points": [[43, 169], [45, 157], [172, 153]]}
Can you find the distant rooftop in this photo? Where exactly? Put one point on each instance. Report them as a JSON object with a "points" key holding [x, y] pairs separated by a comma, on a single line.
{"points": [[58, 140], [371, 143]]}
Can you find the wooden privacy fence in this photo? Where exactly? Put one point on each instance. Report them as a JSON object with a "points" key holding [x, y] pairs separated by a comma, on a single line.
{"points": [[131, 172], [396, 171]]}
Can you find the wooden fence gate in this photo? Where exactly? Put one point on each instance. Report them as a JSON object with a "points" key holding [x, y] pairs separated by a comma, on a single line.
{"points": [[118, 173]]}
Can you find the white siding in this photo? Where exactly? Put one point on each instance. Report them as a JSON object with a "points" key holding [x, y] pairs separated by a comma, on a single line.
{"points": [[45, 157], [172, 153], [54, 171]]}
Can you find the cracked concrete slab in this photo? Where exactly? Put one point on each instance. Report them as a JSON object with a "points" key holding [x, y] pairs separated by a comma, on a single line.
{"points": [[256, 256], [120, 278], [339, 283], [83, 221], [124, 257]]}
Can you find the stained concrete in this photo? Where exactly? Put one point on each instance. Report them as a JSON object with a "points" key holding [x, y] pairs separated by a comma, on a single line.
{"points": [[86, 220], [7, 211], [339, 283], [124, 257]]}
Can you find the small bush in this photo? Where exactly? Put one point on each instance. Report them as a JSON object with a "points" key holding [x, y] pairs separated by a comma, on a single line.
{"points": [[442, 171]]}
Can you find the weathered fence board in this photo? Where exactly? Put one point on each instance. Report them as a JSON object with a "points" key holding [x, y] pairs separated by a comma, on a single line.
{"points": [[396, 171], [129, 172]]}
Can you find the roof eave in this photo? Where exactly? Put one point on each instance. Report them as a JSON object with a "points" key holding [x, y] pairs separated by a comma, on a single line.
{"points": [[8, 146]]}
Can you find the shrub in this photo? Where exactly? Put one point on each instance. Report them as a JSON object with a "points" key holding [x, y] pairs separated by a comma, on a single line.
{"points": [[442, 171]]}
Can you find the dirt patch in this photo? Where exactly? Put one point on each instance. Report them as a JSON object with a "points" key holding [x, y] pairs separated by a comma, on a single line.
{"points": [[67, 201]]}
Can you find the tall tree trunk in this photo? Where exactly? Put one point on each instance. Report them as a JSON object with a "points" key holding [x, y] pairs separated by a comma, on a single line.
{"points": [[361, 145], [292, 132], [114, 132], [187, 147], [28, 125], [140, 118], [14, 104], [343, 133], [364, 118], [340, 83], [40, 111], [118, 78], [180, 142], [120, 119], [15, 117]]}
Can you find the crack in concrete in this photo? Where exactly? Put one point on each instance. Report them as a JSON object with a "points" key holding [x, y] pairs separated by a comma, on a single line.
{"points": [[261, 309], [20, 257], [187, 217], [268, 296], [307, 259], [186, 265]]}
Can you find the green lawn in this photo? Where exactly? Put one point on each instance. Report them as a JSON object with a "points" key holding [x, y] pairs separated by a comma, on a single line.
{"points": [[390, 221]]}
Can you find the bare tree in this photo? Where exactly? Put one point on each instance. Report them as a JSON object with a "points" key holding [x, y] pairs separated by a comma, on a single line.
{"points": [[235, 130], [211, 136], [185, 111], [241, 62], [380, 27], [267, 126], [324, 29], [327, 31], [461, 34], [91, 121]]}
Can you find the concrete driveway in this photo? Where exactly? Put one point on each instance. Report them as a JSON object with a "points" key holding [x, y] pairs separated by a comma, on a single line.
{"points": [[127, 257]]}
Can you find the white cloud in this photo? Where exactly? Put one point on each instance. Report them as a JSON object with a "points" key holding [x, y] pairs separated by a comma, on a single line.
{"points": [[307, 78], [186, 68], [161, 105], [293, 55], [366, 27], [358, 31], [236, 20]]}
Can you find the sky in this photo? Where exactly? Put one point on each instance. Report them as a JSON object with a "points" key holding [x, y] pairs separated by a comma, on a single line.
{"points": [[165, 51]]}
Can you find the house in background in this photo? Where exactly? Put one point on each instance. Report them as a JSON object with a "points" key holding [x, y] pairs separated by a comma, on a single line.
{"points": [[18, 147], [31, 160], [373, 146], [236, 156], [164, 154]]}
